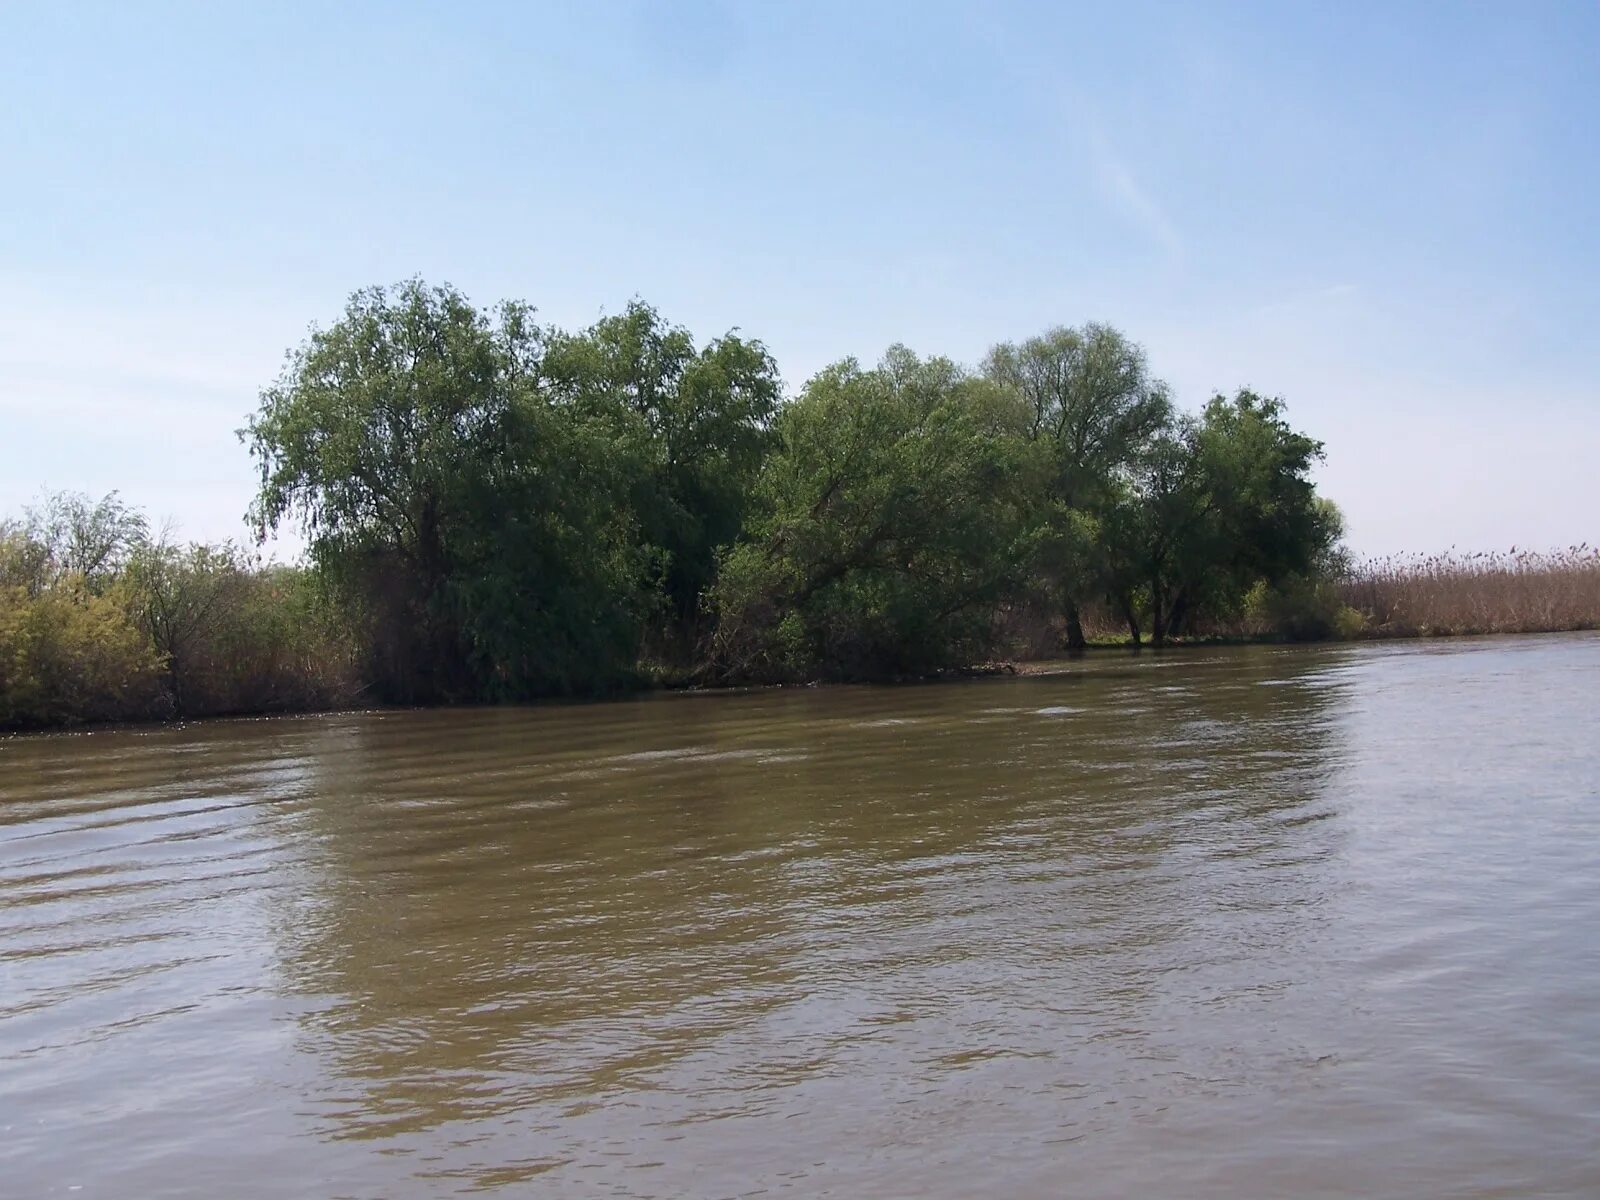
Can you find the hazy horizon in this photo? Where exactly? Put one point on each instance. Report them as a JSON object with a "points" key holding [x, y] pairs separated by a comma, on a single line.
{"points": [[1382, 215]]}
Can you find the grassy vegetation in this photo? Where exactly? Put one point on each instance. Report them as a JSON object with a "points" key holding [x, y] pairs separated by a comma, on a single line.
{"points": [[94, 630], [101, 622], [1400, 596], [1517, 591]]}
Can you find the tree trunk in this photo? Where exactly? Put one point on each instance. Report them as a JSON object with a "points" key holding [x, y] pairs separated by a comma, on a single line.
{"points": [[1180, 612], [1158, 623], [1076, 642], [175, 681], [1132, 619]]}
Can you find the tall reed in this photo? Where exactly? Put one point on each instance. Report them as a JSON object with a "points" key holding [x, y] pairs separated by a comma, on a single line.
{"points": [[1513, 591]]}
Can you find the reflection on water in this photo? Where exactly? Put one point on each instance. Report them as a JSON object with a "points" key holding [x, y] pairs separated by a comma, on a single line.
{"points": [[1230, 923]]}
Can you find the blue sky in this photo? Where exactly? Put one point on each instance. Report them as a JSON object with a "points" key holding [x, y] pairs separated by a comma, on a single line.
{"points": [[1385, 213]]}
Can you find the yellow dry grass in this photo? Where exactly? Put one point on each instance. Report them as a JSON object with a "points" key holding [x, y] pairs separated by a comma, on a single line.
{"points": [[1515, 591]]}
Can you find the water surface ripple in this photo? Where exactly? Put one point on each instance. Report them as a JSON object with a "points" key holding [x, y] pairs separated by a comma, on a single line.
{"points": [[1237, 923]]}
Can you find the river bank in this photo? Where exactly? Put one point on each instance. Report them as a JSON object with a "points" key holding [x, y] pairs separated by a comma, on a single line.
{"points": [[1100, 650]]}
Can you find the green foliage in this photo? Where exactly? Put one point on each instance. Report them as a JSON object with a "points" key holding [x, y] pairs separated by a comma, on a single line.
{"points": [[1213, 505], [182, 597], [693, 425], [163, 630], [476, 526], [1153, 526], [1264, 516], [1092, 408], [1301, 609], [496, 510], [889, 525], [1090, 401], [69, 654], [546, 573], [233, 637], [67, 535]]}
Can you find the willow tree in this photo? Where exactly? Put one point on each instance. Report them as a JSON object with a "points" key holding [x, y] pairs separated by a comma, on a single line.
{"points": [[888, 524], [480, 528], [1092, 406], [1213, 506], [697, 423], [67, 535], [1262, 520]]}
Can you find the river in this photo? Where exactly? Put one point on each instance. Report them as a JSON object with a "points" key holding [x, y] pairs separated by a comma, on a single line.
{"points": [[1246, 922]]}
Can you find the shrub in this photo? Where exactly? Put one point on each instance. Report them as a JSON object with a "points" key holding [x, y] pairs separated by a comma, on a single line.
{"points": [[68, 655], [236, 638], [1300, 609]]}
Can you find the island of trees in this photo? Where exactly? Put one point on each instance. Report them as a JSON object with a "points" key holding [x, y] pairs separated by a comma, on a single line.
{"points": [[498, 510]]}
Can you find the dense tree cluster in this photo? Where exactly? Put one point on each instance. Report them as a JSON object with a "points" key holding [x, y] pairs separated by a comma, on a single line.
{"points": [[510, 511], [497, 510], [516, 511]]}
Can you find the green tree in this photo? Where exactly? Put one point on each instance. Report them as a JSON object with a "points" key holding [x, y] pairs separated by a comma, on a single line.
{"points": [[696, 426], [1091, 407], [1258, 470], [1156, 531], [1215, 506], [475, 525], [67, 535], [889, 525]]}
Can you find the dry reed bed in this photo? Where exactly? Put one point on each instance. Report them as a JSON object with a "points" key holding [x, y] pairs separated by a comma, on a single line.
{"points": [[1516, 591]]}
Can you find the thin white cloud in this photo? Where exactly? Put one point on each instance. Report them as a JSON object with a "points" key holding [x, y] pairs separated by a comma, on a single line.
{"points": [[1130, 198]]}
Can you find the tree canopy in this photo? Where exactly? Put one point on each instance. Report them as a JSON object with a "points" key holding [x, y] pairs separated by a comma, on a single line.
{"points": [[1093, 410], [498, 509], [508, 509], [446, 489], [695, 427], [889, 522]]}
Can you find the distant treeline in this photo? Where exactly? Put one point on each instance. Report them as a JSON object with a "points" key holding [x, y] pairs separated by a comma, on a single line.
{"points": [[496, 510]]}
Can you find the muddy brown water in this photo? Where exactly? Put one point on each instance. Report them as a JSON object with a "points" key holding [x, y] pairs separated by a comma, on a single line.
{"points": [[1238, 923]]}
